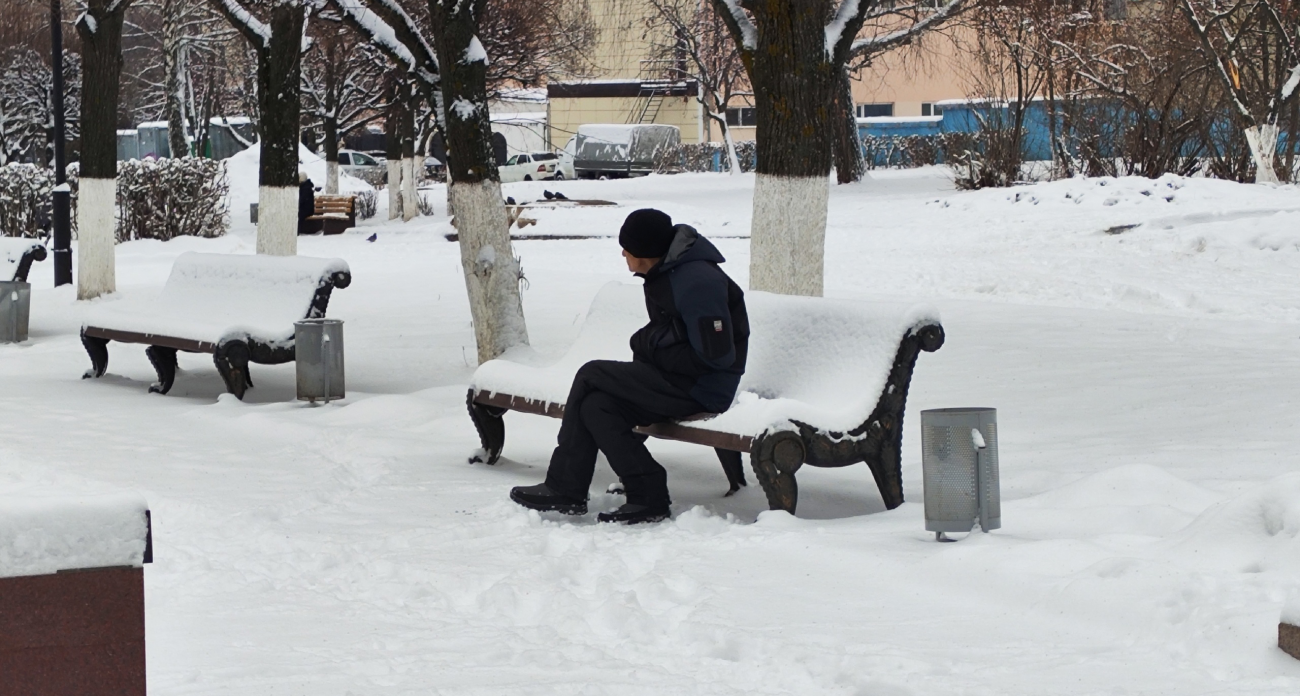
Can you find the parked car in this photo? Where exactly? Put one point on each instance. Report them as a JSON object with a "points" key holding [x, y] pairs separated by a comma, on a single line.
{"points": [[605, 150], [532, 166], [359, 164]]}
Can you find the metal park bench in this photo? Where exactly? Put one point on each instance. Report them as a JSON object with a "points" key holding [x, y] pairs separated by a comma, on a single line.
{"points": [[239, 308], [16, 257], [826, 385]]}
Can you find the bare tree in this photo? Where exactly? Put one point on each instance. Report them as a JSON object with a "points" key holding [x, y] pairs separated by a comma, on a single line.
{"points": [[1253, 49], [530, 41], [341, 87], [694, 44], [26, 107], [277, 41]]}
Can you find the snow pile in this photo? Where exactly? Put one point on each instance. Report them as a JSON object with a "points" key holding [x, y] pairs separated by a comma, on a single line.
{"points": [[42, 534], [214, 297], [242, 170], [819, 361], [12, 250], [1256, 531]]}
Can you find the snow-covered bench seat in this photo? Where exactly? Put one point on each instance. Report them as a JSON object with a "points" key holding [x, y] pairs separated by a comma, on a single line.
{"points": [[72, 593], [240, 308], [17, 255], [826, 385]]}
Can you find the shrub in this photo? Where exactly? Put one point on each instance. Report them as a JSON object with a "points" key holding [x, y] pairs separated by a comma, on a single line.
{"points": [[167, 198], [25, 191], [699, 157], [367, 204]]}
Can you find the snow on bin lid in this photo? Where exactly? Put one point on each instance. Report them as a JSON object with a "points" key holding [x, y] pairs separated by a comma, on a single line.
{"points": [[816, 360], [208, 297], [42, 534], [12, 250]]}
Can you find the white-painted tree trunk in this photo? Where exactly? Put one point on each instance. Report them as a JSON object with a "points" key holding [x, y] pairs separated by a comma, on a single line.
{"points": [[96, 237], [732, 160], [331, 177], [788, 243], [1263, 145], [394, 189], [410, 206], [491, 272], [277, 220]]}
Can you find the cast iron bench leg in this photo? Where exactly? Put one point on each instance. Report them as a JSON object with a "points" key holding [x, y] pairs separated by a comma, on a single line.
{"points": [[97, 348], [491, 427], [232, 362], [775, 458], [164, 363], [734, 466]]}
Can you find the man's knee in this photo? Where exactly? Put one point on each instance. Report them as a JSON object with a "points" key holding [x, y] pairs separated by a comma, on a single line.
{"points": [[600, 410]]}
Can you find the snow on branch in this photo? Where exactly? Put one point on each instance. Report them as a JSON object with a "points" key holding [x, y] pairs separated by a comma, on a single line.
{"points": [[849, 10], [882, 42], [397, 36], [244, 21], [748, 32]]}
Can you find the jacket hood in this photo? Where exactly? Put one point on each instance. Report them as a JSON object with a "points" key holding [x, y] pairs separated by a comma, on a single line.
{"points": [[688, 245]]}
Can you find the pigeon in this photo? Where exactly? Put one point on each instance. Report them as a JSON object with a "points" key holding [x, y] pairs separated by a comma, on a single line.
{"points": [[510, 200], [548, 194], [372, 237], [560, 196]]}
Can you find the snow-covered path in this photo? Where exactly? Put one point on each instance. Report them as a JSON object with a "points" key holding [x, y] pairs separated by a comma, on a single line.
{"points": [[1145, 383]]}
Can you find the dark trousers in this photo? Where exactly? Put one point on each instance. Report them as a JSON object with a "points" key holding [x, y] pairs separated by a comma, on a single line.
{"points": [[606, 401]]}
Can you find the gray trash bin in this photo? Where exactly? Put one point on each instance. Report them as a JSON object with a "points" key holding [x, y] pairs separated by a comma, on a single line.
{"points": [[252, 213], [959, 462], [15, 309], [319, 356]]}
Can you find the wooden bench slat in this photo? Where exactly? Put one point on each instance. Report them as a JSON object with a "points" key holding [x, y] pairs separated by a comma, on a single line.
{"points": [[184, 344]]}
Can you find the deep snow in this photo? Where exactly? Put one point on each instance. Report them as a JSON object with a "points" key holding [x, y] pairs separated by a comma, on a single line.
{"points": [[1145, 383]]}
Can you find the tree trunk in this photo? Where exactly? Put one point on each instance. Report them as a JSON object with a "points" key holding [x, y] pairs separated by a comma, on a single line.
{"points": [[796, 88], [733, 161], [174, 78], [491, 270], [393, 150], [101, 46], [1263, 146], [278, 76], [410, 207], [847, 144], [331, 153]]}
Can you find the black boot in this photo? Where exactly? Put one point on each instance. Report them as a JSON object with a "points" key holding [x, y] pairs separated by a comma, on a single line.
{"points": [[544, 499], [633, 513]]}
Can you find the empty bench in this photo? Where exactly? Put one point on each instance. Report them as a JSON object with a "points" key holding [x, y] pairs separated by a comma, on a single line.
{"points": [[826, 385], [239, 308], [16, 257], [334, 213]]}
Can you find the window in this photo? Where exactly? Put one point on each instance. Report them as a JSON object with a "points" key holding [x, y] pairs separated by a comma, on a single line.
{"points": [[869, 110], [742, 116], [543, 156], [344, 158], [928, 109], [523, 159], [363, 160], [512, 160]]}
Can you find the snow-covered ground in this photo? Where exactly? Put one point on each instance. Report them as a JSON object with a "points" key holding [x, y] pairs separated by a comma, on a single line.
{"points": [[1145, 381]]}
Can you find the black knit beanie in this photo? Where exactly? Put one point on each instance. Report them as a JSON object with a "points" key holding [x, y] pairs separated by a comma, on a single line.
{"points": [[647, 233]]}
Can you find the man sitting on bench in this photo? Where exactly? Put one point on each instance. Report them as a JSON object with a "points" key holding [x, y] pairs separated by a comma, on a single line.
{"points": [[687, 360]]}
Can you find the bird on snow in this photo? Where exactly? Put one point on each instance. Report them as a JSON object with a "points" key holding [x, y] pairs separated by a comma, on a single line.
{"points": [[560, 196], [372, 237], [510, 200], [548, 194]]}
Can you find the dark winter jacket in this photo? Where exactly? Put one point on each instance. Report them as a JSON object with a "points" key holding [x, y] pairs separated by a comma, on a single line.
{"points": [[306, 201], [698, 333]]}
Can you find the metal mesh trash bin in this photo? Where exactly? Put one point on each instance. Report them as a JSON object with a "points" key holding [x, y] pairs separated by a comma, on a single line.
{"points": [[959, 462], [319, 357], [15, 309]]}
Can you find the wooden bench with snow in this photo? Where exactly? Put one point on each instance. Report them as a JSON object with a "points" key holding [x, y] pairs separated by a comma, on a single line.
{"points": [[238, 307], [334, 213], [17, 255], [826, 385]]}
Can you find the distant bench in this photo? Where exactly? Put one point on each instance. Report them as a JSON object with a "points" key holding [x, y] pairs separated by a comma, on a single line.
{"points": [[17, 255], [334, 213], [826, 385], [240, 308]]}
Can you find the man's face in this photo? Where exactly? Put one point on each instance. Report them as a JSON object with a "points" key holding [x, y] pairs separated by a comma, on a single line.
{"points": [[637, 264]]}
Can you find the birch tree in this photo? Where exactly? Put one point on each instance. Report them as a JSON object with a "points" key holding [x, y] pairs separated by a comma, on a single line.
{"points": [[695, 45], [277, 41], [1253, 48], [795, 52], [100, 29]]}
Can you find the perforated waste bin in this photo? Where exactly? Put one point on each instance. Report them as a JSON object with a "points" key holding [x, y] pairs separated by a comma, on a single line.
{"points": [[959, 462], [319, 356], [15, 309]]}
